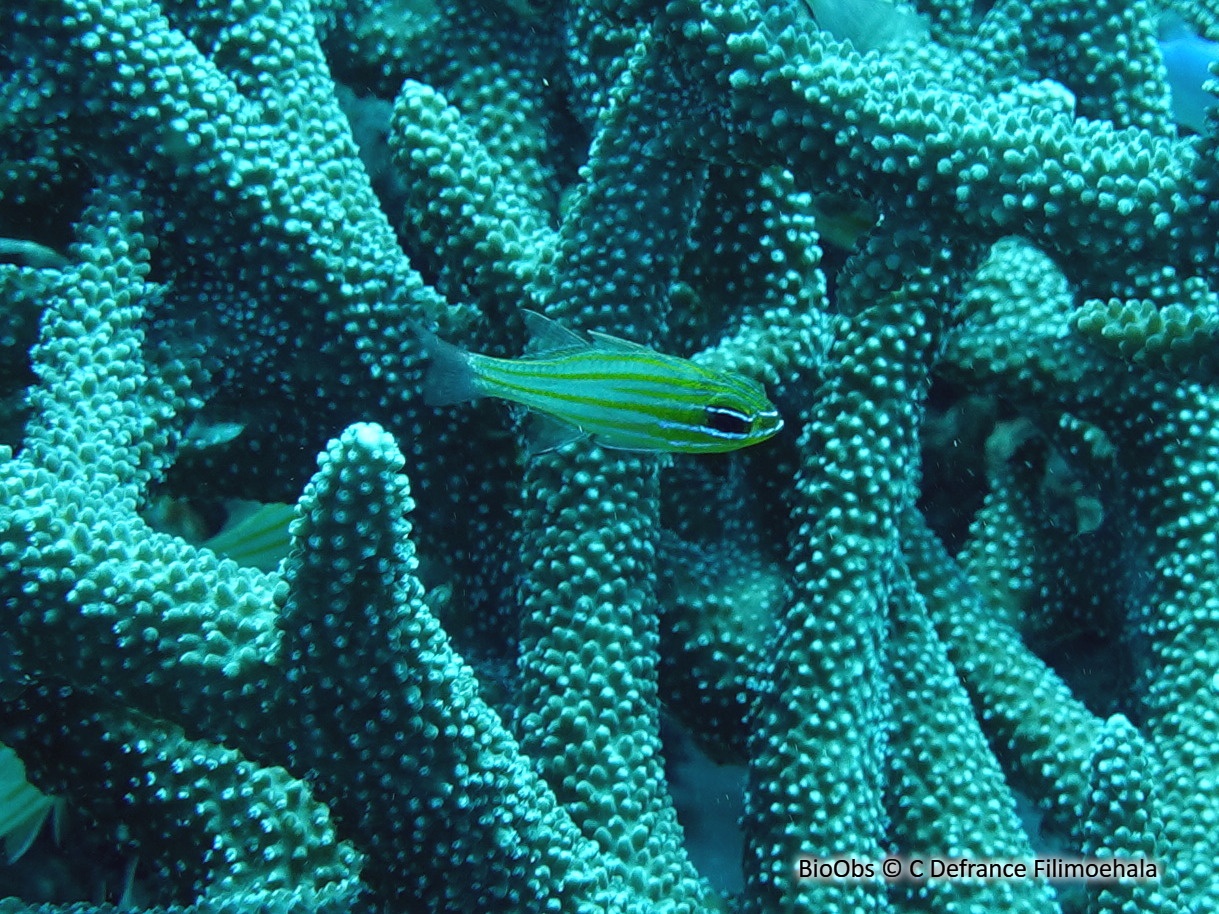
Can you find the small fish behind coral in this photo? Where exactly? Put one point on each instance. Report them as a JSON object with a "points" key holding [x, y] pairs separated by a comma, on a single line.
{"points": [[869, 25], [620, 393], [1187, 62]]}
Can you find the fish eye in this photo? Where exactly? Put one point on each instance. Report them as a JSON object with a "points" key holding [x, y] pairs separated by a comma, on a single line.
{"points": [[726, 421]]}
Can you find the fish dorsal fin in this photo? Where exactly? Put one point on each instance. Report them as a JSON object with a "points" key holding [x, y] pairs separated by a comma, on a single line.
{"points": [[547, 336], [615, 343]]}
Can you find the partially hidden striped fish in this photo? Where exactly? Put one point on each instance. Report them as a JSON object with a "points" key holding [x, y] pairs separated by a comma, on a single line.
{"points": [[622, 394]]}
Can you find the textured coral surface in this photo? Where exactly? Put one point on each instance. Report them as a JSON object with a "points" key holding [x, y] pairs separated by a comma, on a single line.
{"points": [[966, 605]]}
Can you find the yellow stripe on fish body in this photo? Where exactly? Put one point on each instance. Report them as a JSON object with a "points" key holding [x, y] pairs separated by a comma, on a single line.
{"points": [[621, 393]]}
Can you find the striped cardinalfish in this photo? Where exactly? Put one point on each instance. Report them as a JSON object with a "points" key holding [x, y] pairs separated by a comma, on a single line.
{"points": [[622, 394]]}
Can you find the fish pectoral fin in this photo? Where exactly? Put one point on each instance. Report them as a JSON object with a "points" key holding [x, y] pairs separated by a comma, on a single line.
{"points": [[546, 433], [547, 336]]}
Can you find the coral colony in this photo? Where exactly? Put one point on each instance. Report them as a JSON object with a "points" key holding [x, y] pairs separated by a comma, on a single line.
{"points": [[279, 635]]}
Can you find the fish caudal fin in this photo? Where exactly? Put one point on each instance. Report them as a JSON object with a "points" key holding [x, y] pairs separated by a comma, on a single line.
{"points": [[450, 377]]}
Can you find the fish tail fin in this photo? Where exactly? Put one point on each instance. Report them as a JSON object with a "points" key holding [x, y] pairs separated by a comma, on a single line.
{"points": [[450, 377]]}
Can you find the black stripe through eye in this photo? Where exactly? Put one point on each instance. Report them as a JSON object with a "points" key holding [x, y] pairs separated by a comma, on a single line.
{"points": [[726, 421]]}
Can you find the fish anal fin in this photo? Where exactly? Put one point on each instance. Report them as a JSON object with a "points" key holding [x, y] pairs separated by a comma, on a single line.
{"points": [[546, 336], [546, 433]]}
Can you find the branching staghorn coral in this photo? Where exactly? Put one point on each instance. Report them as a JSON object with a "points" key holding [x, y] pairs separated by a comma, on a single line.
{"points": [[454, 692]]}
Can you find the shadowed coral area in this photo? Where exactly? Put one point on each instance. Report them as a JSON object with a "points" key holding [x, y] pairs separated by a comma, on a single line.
{"points": [[965, 605]]}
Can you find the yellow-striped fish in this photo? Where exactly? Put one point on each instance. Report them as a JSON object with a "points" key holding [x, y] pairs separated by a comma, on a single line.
{"points": [[621, 393]]}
